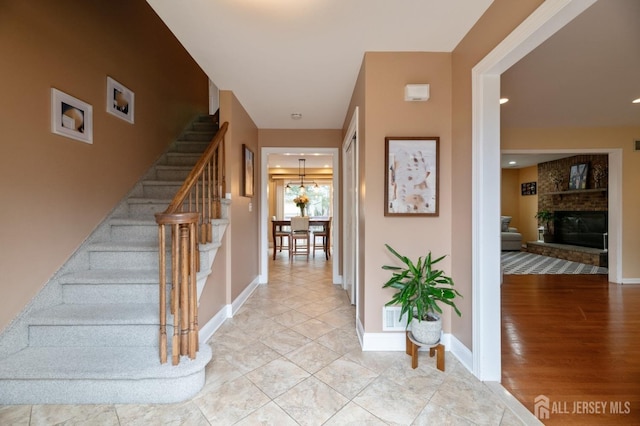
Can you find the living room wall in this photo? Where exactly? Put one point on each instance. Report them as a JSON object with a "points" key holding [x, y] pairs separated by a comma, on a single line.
{"points": [[595, 138], [56, 190], [521, 208]]}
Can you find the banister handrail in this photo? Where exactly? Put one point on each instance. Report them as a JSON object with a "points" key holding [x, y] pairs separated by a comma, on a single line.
{"points": [[197, 202], [197, 170]]}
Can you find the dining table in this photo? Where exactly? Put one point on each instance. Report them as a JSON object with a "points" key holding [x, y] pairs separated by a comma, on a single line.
{"points": [[324, 222]]}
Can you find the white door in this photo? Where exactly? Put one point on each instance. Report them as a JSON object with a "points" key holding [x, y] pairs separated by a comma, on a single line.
{"points": [[350, 221]]}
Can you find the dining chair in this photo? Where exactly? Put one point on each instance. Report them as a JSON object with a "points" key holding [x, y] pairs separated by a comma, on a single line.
{"points": [[299, 233], [322, 234], [280, 235]]}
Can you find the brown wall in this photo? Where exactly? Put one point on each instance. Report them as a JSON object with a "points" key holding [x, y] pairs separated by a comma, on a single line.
{"points": [[521, 208], [388, 114], [312, 138], [244, 228], [510, 194], [596, 138], [56, 190], [496, 23]]}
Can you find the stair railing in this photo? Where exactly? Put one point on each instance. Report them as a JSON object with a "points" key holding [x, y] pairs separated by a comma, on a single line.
{"points": [[189, 217]]}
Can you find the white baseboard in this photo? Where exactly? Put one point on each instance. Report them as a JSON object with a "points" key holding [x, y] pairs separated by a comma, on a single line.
{"points": [[397, 342], [631, 281], [227, 311], [464, 355]]}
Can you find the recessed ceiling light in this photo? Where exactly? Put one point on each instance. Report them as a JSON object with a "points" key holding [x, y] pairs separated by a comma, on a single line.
{"points": [[512, 163], [296, 116], [504, 100], [636, 101]]}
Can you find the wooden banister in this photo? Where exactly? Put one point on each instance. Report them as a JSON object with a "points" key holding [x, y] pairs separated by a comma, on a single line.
{"points": [[189, 217]]}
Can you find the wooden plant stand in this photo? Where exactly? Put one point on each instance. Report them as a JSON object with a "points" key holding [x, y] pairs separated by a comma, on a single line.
{"points": [[412, 349]]}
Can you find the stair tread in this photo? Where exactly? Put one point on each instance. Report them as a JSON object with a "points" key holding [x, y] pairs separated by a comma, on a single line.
{"points": [[97, 314], [133, 220], [124, 246], [108, 276], [145, 200], [111, 363]]}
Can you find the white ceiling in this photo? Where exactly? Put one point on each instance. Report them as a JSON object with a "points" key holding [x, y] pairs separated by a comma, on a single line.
{"points": [[303, 56], [586, 74]]}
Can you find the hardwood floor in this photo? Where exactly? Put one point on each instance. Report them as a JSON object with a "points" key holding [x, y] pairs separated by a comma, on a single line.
{"points": [[576, 340]]}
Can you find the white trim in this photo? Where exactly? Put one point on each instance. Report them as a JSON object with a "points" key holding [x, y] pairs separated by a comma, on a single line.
{"points": [[264, 206], [463, 353], [540, 25], [381, 342], [214, 324], [242, 297], [631, 281], [352, 138]]}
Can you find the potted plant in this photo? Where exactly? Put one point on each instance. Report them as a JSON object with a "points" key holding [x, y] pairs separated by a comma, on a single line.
{"points": [[420, 289], [544, 218]]}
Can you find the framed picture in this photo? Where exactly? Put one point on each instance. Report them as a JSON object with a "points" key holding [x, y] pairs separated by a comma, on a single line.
{"points": [[528, 188], [578, 176], [120, 100], [247, 171], [71, 117], [411, 178]]}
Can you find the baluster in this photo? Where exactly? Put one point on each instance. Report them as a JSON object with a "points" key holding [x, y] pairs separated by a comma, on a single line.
{"points": [[163, 295]]}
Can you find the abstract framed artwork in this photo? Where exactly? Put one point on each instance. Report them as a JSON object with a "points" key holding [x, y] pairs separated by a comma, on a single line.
{"points": [[578, 176], [71, 117], [120, 100], [247, 171], [411, 177]]}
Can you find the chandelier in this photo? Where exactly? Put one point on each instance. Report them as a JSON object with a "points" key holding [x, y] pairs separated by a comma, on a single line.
{"points": [[301, 174]]}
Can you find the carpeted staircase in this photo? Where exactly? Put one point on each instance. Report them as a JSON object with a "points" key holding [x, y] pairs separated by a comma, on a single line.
{"points": [[91, 335]]}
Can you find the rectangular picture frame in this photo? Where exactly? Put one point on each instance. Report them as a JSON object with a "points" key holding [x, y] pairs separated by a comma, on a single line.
{"points": [[71, 117], [247, 172], [528, 188], [120, 100], [578, 176], [411, 177]]}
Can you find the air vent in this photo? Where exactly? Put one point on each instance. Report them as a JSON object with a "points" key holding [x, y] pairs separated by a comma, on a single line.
{"points": [[637, 146], [391, 319]]}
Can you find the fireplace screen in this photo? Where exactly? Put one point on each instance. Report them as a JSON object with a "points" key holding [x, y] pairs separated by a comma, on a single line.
{"points": [[581, 228]]}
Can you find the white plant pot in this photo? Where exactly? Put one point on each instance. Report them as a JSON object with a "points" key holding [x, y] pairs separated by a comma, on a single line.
{"points": [[426, 332]]}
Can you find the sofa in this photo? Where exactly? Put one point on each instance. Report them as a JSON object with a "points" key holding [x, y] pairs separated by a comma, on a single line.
{"points": [[511, 239]]}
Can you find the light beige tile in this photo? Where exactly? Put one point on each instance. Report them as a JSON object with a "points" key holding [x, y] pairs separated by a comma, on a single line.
{"points": [[312, 356], [219, 371], [313, 328], [231, 402], [354, 415], [277, 377], [401, 406], [291, 318], [184, 414], [266, 415], [339, 341], [45, 415], [510, 419], [285, 341], [15, 415], [424, 379], [251, 357], [311, 402], [346, 377], [376, 361], [436, 415]]}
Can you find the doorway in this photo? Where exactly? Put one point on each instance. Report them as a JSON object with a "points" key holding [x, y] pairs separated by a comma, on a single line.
{"points": [[265, 220]]}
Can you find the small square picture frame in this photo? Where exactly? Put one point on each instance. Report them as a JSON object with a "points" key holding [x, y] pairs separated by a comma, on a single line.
{"points": [[71, 117], [120, 100]]}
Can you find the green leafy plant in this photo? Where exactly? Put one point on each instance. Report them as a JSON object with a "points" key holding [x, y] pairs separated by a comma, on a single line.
{"points": [[545, 217], [420, 287]]}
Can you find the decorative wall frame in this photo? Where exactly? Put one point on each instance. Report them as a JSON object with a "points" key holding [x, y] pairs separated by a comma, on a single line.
{"points": [[247, 171], [120, 100], [529, 188], [578, 176], [411, 177], [71, 117]]}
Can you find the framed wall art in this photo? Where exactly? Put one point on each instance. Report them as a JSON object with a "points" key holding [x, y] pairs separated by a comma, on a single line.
{"points": [[411, 176], [71, 117], [247, 171], [578, 176], [528, 188], [120, 100]]}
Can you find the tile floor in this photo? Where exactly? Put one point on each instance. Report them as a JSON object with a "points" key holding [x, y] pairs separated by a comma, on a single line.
{"points": [[291, 356]]}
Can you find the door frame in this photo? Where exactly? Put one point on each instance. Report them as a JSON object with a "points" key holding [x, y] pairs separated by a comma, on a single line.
{"points": [[351, 208], [486, 322], [265, 226]]}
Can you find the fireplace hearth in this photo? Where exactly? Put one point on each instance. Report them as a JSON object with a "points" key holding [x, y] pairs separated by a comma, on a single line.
{"points": [[581, 228]]}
